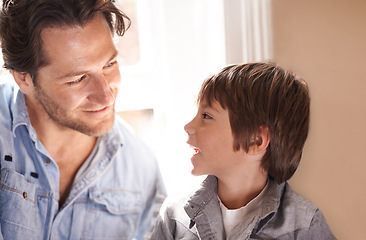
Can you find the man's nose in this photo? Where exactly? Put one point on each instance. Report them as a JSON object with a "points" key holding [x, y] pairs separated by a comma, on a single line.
{"points": [[103, 91]]}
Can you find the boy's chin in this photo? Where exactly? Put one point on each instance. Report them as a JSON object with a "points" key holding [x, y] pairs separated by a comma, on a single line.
{"points": [[196, 172]]}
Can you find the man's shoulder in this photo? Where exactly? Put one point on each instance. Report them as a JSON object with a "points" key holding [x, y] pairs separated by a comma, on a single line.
{"points": [[122, 128], [6, 97], [6, 118], [6, 93], [131, 142]]}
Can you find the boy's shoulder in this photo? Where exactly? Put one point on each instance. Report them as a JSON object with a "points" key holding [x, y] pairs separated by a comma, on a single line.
{"points": [[174, 219], [294, 214], [292, 201], [174, 208], [177, 210]]}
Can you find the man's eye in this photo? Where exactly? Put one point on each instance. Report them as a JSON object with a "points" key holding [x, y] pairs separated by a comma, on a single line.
{"points": [[110, 64], [206, 116], [76, 81]]}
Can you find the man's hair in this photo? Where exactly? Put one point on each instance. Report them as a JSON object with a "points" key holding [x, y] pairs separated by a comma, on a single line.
{"points": [[264, 95], [22, 21]]}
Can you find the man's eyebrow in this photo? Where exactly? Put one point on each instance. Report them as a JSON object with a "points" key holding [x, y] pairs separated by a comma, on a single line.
{"points": [[70, 74], [78, 73]]}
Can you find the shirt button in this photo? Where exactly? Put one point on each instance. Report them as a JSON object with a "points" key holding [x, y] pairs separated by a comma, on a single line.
{"points": [[47, 161]]}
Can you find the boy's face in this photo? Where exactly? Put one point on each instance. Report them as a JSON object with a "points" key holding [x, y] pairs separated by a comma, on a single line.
{"points": [[210, 135], [78, 88]]}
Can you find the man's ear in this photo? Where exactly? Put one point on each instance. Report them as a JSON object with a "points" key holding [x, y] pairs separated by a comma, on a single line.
{"points": [[24, 81], [260, 141]]}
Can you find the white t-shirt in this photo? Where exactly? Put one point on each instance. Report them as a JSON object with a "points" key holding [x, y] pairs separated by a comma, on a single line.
{"points": [[232, 217]]}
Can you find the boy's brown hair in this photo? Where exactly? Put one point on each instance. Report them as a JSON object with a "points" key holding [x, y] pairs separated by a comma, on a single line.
{"points": [[264, 95]]}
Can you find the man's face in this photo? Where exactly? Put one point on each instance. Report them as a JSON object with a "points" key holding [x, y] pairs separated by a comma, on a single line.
{"points": [[79, 85]]}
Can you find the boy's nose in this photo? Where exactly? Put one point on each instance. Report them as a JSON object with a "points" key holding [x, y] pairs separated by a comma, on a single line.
{"points": [[188, 128]]}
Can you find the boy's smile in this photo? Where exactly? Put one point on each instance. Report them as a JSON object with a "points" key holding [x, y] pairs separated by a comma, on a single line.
{"points": [[197, 150], [210, 136]]}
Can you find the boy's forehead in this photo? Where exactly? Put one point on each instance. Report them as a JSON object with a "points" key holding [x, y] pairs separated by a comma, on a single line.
{"points": [[203, 101], [211, 101], [213, 104]]}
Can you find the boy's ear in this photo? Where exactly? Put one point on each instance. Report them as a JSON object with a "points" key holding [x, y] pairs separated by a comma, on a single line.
{"points": [[260, 141], [24, 81]]}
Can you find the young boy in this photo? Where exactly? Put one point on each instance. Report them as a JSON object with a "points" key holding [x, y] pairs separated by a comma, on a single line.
{"points": [[248, 136]]}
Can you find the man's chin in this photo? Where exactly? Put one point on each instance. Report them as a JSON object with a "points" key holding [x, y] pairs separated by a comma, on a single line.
{"points": [[101, 130], [96, 130]]}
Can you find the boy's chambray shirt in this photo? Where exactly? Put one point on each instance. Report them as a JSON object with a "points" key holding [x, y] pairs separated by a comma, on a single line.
{"points": [[114, 194], [283, 215]]}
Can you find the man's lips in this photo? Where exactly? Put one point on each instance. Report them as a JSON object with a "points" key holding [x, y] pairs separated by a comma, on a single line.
{"points": [[100, 109], [100, 112]]}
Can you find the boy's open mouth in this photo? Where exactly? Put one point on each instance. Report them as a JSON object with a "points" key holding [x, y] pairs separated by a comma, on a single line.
{"points": [[196, 150]]}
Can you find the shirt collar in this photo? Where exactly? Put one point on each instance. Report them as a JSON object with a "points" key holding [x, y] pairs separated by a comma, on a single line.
{"points": [[20, 113], [271, 203], [202, 196], [112, 140], [208, 190]]}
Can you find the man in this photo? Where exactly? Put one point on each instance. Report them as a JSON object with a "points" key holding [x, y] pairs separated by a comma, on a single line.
{"points": [[69, 169]]}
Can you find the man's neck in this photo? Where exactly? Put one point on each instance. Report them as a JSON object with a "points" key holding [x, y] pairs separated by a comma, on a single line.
{"points": [[67, 147], [69, 150]]}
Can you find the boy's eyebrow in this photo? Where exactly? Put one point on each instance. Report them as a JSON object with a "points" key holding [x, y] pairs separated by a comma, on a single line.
{"points": [[205, 105], [78, 73]]}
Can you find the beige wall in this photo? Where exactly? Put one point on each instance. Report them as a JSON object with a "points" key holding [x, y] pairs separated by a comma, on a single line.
{"points": [[325, 42]]}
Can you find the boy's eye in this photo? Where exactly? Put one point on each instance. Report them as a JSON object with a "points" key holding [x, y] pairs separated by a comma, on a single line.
{"points": [[206, 116]]}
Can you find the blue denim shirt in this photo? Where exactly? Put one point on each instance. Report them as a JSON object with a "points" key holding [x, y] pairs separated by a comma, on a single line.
{"points": [[283, 215], [114, 194]]}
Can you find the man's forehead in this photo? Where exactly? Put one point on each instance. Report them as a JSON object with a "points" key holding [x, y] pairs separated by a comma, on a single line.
{"points": [[57, 32], [73, 47]]}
